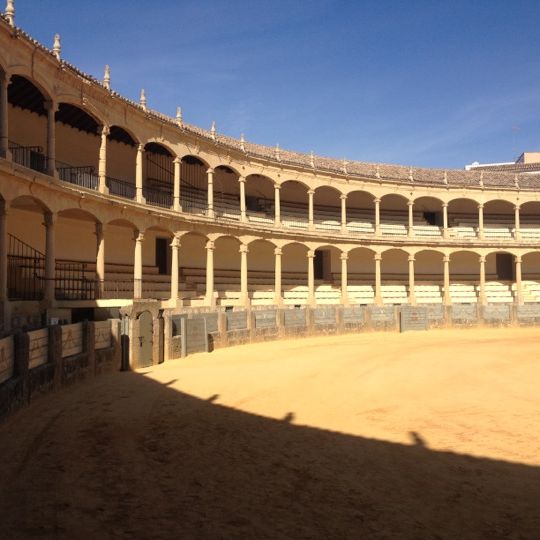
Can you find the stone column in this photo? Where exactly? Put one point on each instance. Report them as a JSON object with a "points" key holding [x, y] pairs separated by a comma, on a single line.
{"points": [[482, 295], [102, 167], [4, 128], [210, 179], [412, 294], [344, 292], [244, 295], [343, 213], [311, 224], [175, 248], [100, 260], [242, 183], [51, 108], [447, 298], [3, 251], [311, 277], [139, 174], [177, 205], [278, 299], [377, 217], [519, 291], [277, 205], [445, 220], [410, 227], [210, 273], [137, 265], [481, 221], [378, 288], [50, 260], [517, 223]]}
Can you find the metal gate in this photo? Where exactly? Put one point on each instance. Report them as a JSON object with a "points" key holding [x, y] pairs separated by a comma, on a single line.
{"points": [[145, 339]]}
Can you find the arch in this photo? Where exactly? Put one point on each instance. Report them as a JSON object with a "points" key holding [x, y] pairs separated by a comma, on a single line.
{"points": [[78, 213], [157, 147], [294, 181], [123, 222], [498, 206], [27, 93], [192, 159], [194, 184], [429, 198], [399, 196], [29, 202], [77, 117], [122, 135], [228, 168], [429, 276]]}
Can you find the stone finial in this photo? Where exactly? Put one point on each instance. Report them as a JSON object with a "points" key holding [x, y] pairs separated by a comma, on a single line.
{"points": [[481, 179], [10, 12], [278, 155], [312, 159], [344, 165], [57, 46], [213, 130], [242, 142], [516, 181], [378, 172], [445, 180], [107, 77], [179, 119], [142, 100], [411, 177]]}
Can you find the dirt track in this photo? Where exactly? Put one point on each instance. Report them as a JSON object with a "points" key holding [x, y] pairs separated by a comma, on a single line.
{"points": [[420, 435]]}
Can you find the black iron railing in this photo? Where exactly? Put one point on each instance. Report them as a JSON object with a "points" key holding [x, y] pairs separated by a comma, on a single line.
{"points": [[28, 156], [121, 188], [74, 281], [26, 269], [158, 196], [82, 176]]}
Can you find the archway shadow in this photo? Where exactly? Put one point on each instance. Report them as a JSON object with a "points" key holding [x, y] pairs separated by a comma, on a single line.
{"points": [[159, 463]]}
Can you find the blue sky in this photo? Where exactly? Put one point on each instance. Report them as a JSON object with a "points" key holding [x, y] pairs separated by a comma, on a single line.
{"points": [[425, 83]]}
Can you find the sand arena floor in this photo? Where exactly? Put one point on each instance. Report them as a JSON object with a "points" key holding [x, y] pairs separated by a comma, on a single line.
{"points": [[420, 435]]}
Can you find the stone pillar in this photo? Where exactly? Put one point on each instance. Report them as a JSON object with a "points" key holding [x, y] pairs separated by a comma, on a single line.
{"points": [[447, 298], [50, 260], [410, 227], [278, 299], [344, 292], [277, 205], [210, 204], [244, 295], [517, 223], [175, 248], [51, 108], [378, 288], [100, 260], [210, 246], [4, 127], [311, 277], [481, 221], [445, 220], [102, 169], [242, 183], [137, 265], [3, 251], [177, 205], [311, 224], [343, 213], [377, 217], [519, 291], [139, 174], [482, 295], [412, 295]]}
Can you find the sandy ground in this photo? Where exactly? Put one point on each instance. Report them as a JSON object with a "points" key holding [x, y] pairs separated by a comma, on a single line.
{"points": [[418, 435]]}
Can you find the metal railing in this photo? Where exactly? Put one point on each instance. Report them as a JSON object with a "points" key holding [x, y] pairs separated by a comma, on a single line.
{"points": [[26, 268], [72, 282], [31, 157], [158, 196], [81, 176], [121, 188]]}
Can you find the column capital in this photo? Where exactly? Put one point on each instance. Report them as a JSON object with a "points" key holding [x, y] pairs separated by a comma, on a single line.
{"points": [[210, 245], [377, 257], [311, 192], [50, 218], [410, 203], [377, 200], [343, 196], [241, 179], [105, 130], [175, 243], [517, 207], [140, 148], [4, 208], [4, 77], [210, 170], [277, 186], [480, 206], [482, 259], [517, 259], [244, 248], [445, 205], [278, 251], [344, 256], [177, 160], [51, 106], [138, 236], [446, 258], [411, 258], [310, 253], [100, 229]]}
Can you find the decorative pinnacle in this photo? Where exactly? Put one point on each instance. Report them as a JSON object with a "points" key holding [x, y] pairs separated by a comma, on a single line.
{"points": [[179, 119], [516, 182], [378, 172], [213, 130], [57, 46], [107, 77], [242, 142], [345, 166], [142, 100], [446, 177], [481, 178], [278, 155], [312, 159], [10, 12], [411, 178]]}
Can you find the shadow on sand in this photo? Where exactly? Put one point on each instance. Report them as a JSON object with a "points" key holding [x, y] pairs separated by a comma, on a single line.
{"points": [[126, 457]]}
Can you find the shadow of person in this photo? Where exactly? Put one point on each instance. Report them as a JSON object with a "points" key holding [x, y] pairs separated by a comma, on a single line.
{"points": [[289, 418], [417, 439]]}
